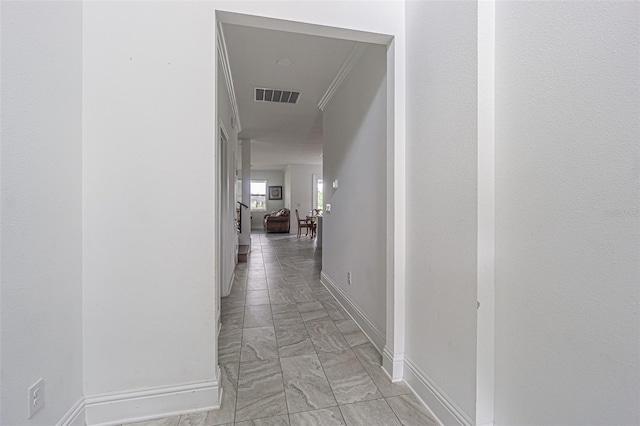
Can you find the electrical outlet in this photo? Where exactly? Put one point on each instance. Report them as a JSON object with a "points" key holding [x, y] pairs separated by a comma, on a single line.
{"points": [[349, 278], [36, 398]]}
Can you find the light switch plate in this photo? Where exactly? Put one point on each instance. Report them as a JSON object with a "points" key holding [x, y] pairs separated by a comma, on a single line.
{"points": [[327, 208]]}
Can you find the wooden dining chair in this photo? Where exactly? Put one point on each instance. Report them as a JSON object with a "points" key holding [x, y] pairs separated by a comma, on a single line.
{"points": [[303, 223]]}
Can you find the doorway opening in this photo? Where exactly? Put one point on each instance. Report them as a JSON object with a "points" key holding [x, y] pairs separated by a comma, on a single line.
{"points": [[357, 185]]}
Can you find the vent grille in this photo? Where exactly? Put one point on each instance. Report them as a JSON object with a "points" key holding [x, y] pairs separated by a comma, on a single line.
{"points": [[278, 96]]}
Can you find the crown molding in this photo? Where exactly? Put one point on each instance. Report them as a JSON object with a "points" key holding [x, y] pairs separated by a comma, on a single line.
{"points": [[226, 70], [357, 51]]}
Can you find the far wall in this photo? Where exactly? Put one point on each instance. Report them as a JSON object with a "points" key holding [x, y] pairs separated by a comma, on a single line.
{"points": [[273, 178], [300, 181]]}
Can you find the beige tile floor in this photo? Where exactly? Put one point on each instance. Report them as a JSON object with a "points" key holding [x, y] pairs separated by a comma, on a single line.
{"points": [[291, 355]]}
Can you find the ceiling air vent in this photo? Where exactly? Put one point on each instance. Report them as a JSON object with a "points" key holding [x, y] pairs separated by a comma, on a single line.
{"points": [[278, 96]]}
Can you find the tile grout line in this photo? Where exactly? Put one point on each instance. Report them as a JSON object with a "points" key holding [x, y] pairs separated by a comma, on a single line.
{"points": [[275, 336], [244, 311], [235, 406], [306, 280]]}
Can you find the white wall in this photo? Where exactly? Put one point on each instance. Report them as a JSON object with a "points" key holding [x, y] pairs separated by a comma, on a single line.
{"points": [[441, 208], [148, 205], [149, 210], [567, 221], [300, 185], [245, 237], [41, 208], [227, 153], [485, 338], [354, 153], [287, 188], [273, 178], [148, 151]]}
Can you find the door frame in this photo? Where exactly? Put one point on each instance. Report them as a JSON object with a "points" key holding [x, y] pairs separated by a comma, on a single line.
{"points": [[393, 353]]}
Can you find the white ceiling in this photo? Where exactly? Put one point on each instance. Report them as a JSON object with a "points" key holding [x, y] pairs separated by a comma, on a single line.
{"points": [[282, 133]]}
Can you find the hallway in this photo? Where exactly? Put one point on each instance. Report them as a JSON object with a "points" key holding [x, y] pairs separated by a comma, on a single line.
{"points": [[290, 355]]}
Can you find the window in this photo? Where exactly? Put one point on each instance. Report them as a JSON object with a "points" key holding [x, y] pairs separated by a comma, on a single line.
{"points": [[320, 199], [258, 195]]}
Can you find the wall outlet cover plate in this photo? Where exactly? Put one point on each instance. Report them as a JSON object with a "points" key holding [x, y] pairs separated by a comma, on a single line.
{"points": [[35, 398]]}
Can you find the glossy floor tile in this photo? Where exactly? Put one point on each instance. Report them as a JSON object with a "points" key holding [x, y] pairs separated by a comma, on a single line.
{"points": [[326, 337], [325, 417], [305, 383], [410, 410], [260, 390], [267, 421], [348, 378], [372, 360], [370, 413], [168, 421], [290, 354], [351, 332], [258, 343], [257, 316], [293, 339]]}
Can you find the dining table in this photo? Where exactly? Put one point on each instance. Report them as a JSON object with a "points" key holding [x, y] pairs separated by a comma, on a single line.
{"points": [[313, 220]]}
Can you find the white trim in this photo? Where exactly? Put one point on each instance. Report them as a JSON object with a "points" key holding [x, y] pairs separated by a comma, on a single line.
{"points": [[226, 70], [231, 280], [393, 365], [357, 51], [373, 333], [219, 382], [75, 415], [396, 219], [485, 339], [241, 13], [155, 403], [445, 410], [224, 133]]}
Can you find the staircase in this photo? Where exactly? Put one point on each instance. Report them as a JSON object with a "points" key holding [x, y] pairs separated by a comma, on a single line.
{"points": [[243, 253]]}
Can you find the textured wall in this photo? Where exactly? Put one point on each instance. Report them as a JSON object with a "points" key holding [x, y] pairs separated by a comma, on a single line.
{"points": [[354, 237], [567, 221], [148, 153], [441, 208], [41, 204]]}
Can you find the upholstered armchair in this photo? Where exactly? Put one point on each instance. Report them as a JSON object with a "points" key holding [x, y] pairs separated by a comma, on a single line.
{"points": [[277, 221]]}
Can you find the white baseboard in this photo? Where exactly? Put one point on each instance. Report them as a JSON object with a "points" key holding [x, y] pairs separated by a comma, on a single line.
{"points": [[367, 326], [129, 407], [445, 410], [75, 415], [230, 283], [393, 365]]}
